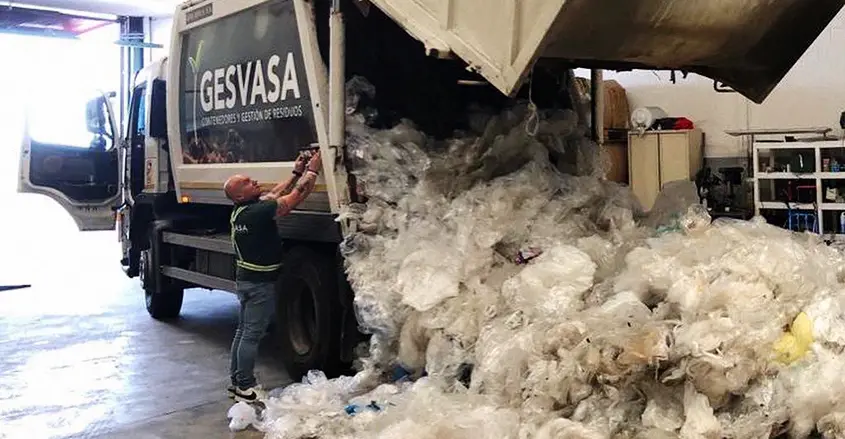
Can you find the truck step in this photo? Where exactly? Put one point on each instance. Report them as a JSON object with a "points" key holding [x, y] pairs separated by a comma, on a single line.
{"points": [[212, 282], [219, 243]]}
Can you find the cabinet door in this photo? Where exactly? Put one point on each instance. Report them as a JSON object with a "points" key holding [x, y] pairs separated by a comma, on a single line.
{"points": [[674, 157], [644, 164]]}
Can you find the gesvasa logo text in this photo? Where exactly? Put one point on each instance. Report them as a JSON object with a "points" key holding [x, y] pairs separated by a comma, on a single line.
{"points": [[255, 82]]}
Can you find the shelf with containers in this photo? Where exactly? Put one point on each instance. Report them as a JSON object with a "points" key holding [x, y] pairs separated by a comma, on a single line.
{"points": [[800, 184]]}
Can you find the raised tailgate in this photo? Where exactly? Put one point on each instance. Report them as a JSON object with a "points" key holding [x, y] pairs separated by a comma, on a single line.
{"points": [[748, 45]]}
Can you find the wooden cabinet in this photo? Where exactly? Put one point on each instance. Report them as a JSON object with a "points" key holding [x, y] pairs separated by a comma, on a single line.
{"points": [[659, 157]]}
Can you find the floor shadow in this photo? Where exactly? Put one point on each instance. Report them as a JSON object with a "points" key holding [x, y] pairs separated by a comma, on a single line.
{"points": [[13, 287], [213, 316]]}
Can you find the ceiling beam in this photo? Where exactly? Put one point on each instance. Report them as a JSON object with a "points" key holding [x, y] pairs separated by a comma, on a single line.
{"points": [[136, 8], [49, 23]]}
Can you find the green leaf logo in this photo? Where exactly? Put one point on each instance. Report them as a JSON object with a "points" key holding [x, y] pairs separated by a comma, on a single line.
{"points": [[195, 61], [195, 68]]}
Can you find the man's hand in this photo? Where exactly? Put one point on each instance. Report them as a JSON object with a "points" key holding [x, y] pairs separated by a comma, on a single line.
{"points": [[304, 187], [316, 163], [286, 186], [300, 163]]}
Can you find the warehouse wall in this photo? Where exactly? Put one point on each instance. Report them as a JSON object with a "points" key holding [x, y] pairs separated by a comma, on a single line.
{"points": [[812, 94], [160, 34]]}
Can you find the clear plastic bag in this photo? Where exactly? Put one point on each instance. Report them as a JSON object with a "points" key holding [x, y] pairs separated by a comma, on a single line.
{"points": [[241, 416], [832, 425], [428, 276], [553, 283], [564, 428], [700, 421], [664, 409], [672, 204]]}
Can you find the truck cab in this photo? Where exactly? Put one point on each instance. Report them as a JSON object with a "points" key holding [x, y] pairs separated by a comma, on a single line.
{"points": [[145, 171]]}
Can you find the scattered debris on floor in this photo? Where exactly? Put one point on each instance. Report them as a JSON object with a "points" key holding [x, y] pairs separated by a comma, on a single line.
{"points": [[523, 296], [241, 416]]}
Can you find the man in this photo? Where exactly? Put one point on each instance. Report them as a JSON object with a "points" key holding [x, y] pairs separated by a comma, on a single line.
{"points": [[258, 257]]}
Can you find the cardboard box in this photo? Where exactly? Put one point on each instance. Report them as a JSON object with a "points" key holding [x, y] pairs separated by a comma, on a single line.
{"points": [[617, 113]]}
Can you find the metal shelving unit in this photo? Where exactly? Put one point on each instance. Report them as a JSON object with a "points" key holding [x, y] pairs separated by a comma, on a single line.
{"points": [[762, 149]]}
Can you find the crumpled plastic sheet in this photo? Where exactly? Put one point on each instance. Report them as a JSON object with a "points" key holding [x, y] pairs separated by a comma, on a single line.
{"points": [[241, 416], [618, 323]]}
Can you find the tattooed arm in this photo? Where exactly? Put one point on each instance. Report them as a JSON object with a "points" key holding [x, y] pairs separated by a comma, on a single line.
{"points": [[304, 187], [286, 186]]}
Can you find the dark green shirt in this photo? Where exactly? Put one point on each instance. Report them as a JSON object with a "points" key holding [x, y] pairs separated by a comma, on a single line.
{"points": [[255, 237]]}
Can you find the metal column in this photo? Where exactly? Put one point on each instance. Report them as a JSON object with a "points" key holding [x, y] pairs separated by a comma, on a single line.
{"points": [[132, 30], [597, 105]]}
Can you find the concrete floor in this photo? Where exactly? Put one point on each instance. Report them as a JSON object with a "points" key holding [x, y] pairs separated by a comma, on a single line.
{"points": [[80, 357]]}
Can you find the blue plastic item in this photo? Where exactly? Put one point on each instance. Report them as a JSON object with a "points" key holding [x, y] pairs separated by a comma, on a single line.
{"points": [[798, 219], [399, 373], [354, 409]]}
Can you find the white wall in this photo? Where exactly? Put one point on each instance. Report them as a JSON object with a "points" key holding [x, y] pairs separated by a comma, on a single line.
{"points": [[812, 94], [160, 29]]}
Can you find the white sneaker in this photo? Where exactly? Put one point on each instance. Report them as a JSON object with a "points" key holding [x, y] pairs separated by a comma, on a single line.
{"points": [[250, 395]]}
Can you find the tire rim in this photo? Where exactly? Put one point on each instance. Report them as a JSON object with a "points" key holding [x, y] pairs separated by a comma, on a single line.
{"points": [[302, 318], [143, 263], [142, 269]]}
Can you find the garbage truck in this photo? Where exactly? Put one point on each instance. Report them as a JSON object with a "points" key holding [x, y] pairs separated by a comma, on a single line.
{"points": [[248, 83]]}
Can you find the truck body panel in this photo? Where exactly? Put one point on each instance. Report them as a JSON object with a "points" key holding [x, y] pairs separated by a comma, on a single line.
{"points": [[749, 45], [243, 97]]}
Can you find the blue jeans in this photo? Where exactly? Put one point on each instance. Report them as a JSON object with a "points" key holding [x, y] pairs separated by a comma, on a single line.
{"points": [[258, 303]]}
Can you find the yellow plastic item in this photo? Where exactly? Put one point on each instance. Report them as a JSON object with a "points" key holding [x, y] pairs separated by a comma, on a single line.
{"points": [[793, 345]]}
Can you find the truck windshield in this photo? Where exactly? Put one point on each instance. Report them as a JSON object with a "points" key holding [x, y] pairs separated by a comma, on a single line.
{"points": [[243, 91]]}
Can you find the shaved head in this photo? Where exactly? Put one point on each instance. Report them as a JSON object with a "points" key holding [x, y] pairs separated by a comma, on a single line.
{"points": [[240, 188]]}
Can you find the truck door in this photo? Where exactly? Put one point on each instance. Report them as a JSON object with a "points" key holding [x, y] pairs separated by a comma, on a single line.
{"points": [[77, 168]]}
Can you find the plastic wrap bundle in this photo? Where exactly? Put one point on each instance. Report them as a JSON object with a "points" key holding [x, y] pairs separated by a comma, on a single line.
{"points": [[544, 304], [241, 416]]}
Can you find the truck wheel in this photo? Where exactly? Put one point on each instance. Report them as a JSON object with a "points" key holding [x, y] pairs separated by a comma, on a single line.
{"points": [[163, 301], [308, 313]]}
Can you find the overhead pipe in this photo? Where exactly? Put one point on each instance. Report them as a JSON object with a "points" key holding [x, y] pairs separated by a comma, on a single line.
{"points": [[337, 77]]}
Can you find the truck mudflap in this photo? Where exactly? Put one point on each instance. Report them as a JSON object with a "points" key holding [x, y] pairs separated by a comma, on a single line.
{"points": [[749, 45]]}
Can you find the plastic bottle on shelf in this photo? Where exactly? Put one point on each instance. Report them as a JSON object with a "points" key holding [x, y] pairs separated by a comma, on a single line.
{"points": [[842, 222]]}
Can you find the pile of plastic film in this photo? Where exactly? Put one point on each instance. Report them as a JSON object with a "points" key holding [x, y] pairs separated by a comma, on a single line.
{"points": [[524, 296]]}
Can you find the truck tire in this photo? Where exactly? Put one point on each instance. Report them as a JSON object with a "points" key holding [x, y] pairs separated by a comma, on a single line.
{"points": [[163, 299], [308, 313]]}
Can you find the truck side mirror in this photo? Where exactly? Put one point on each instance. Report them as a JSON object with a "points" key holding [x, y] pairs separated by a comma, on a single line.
{"points": [[158, 109], [95, 114]]}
